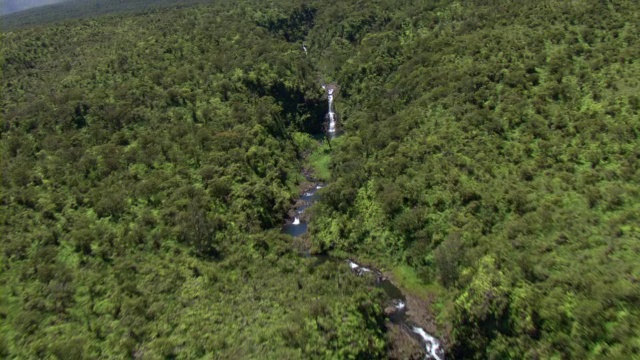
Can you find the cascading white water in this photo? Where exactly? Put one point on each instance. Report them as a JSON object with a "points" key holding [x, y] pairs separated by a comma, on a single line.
{"points": [[357, 268], [332, 115], [432, 344]]}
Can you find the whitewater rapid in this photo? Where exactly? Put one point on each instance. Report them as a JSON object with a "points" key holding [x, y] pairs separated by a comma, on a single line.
{"points": [[299, 228], [331, 113], [432, 345]]}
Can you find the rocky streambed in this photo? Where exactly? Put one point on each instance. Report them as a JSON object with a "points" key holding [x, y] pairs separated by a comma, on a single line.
{"points": [[406, 326]]}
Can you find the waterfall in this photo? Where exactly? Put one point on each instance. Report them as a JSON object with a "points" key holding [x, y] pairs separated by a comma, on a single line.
{"points": [[305, 49], [357, 268], [432, 344], [399, 316], [332, 115]]}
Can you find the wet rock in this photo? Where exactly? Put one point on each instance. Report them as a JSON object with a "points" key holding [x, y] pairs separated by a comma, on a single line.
{"points": [[402, 345], [390, 311]]}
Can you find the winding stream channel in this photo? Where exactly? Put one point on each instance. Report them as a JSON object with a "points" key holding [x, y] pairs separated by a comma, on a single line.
{"points": [[297, 226]]}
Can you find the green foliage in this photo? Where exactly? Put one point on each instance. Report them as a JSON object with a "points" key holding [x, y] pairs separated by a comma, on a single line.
{"points": [[291, 24], [320, 161], [490, 156], [147, 163], [73, 9], [492, 149]]}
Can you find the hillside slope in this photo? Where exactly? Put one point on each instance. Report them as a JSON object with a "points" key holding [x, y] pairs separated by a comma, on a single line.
{"points": [[148, 163], [491, 159], [78, 9]]}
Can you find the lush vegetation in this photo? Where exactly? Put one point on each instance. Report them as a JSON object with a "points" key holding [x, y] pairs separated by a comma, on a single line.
{"points": [[492, 147], [76, 9], [490, 158], [147, 164]]}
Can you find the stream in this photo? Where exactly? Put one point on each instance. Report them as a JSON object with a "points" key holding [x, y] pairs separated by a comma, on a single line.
{"points": [[297, 226]]}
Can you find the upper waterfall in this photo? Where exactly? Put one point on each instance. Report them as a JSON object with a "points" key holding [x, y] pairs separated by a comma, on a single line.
{"points": [[331, 113]]}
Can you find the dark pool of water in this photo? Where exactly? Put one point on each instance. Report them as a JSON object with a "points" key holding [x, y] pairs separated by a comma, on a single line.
{"points": [[295, 230], [308, 198], [391, 290]]}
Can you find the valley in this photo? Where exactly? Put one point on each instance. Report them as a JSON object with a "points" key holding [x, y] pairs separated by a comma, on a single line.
{"points": [[320, 180]]}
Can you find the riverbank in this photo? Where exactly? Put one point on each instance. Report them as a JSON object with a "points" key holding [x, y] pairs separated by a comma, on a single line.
{"points": [[410, 320], [421, 304], [420, 310]]}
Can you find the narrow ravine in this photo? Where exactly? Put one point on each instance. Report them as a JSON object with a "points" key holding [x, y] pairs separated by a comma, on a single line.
{"points": [[398, 317], [397, 309], [331, 113]]}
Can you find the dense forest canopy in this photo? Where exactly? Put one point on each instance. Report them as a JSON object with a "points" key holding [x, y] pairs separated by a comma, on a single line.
{"points": [[148, 162], [489, 161], [492, 148], [52, 11]]}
